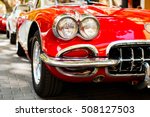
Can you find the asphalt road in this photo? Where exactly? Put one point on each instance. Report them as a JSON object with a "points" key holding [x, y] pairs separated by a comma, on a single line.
{"points": [[16, 83]]}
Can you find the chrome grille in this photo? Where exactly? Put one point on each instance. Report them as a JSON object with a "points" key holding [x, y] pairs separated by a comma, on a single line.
{"points": [[131, 57]]}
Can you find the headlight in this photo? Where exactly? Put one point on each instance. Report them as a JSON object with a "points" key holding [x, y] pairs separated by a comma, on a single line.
{"points": [[147, 27], [65, 27], [89, 28]]}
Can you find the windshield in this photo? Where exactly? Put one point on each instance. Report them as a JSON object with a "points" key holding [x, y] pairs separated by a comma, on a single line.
{"points": [[49, 2], [109, 3], [23, 8]]}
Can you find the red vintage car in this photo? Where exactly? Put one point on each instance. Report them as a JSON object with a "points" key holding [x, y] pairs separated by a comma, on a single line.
{"points": [[3, 23], [81, 41]]}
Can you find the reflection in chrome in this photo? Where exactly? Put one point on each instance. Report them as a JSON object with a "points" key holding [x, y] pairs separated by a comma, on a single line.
{"points": [[77, 25], [84, 72], [93, 27], [73, 66], [36, 63], [126, 42], [65, 27], [147, 74], [88, 46], [147, 27], [131, 54], [74, 62]]}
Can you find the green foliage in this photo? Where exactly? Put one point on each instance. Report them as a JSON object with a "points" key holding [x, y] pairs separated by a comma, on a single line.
{"points": [[26, 0]]}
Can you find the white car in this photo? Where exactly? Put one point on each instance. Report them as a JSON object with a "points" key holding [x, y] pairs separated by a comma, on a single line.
{"points": [[11, 22]]}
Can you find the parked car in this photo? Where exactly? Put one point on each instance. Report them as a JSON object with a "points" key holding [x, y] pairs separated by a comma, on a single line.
{"points": [[11, 24], [78, 42], [3, 18]]}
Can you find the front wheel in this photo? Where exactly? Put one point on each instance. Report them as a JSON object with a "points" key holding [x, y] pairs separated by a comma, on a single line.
{"points": [[44, 83], [19, 50]]}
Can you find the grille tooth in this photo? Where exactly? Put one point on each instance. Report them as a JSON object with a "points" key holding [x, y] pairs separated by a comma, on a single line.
{"points": [[120, 69], [131, 58], [125, 59], [141, 67]]}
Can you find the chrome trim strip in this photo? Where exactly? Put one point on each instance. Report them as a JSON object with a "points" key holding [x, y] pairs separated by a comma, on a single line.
{"points": [[78, 75], [79, 46], [120, 59], [132, 59], [142, 58], [125, 42], [124, 75], [86, 62]]}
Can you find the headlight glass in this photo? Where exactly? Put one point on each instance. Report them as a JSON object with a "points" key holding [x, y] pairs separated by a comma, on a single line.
{"points": [[89, 28], [67, 28], [147, 27]]}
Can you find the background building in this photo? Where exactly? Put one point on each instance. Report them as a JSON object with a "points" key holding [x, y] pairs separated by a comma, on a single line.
{"points": [[145, 4]]}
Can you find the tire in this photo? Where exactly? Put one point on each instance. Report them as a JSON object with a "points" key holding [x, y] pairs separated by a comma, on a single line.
{"points": [[19, 50], [13, 38], [44, 83], [7, 34]]}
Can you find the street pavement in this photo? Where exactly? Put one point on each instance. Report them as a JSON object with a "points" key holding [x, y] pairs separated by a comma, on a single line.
{"points": [[16, 83], [15, 75]]}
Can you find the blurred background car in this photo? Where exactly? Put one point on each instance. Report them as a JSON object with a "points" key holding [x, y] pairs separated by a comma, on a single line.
{"points": [[11, 21], [2, 23]]}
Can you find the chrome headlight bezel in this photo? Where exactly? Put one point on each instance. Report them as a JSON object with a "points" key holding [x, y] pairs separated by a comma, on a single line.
{"points": [[56, 25], [77, 26], [92, 18], [147, 27]]}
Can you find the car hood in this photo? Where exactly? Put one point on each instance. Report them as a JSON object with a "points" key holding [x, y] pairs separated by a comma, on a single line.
{"points": [[101, 11], [120, 23]]}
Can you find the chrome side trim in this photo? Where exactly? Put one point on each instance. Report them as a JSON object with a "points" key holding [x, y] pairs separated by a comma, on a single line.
{"points": [[73, 62]]}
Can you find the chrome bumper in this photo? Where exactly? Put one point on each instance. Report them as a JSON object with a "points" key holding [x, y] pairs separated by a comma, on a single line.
{"points": [[75, 62]]}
